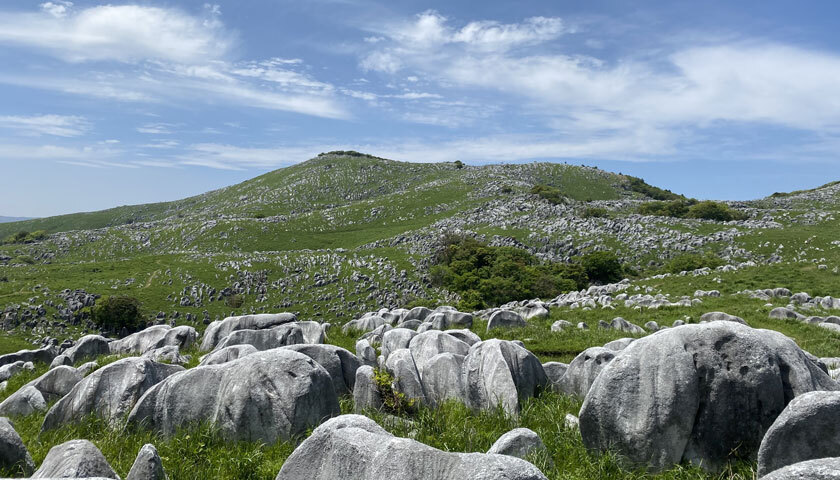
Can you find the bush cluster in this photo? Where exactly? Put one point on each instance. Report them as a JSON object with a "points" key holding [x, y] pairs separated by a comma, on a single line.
{"points": [[638, 185], [595, 212], [26, 237], [487, 276], [549, 193], [692, 261], [707, 210], [395, 402], [118, 312]]}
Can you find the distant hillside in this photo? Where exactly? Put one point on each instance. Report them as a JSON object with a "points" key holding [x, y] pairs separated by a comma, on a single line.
{"points": [[13, 219], [341, 178]]}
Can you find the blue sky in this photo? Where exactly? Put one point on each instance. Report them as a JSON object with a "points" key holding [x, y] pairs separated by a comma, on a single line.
{"points": [[111, 104]]}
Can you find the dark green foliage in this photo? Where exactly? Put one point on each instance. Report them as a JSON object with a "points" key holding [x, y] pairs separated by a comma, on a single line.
{"points": [[488, 276], [603, 267], [259, 215], [26, 237], [25, 259], [638, 185], [710, 210], [546, 192], [118, 312], [707, 210], [459, 164], [595, 212], [692, 261], [507, 189], [676, 208]]}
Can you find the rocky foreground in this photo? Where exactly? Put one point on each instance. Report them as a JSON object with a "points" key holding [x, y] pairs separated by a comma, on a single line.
{"points": [[704, 394]]}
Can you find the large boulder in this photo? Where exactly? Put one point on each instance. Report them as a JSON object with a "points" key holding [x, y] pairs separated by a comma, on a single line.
{"points": [[353, 447], [820, 469], [720, 317], [313, 332], [400, 364], [366, 393], [154, 337], [10, 370], [417, 313], [426, 345], [443, 378], [618, 323], [75, 459], [364, 324], [13, 454], [696, 393], [42, 355], [396, 339], [266, 396], [86, 348], [782, 313], [807, 429], [35, 395], [442, 320], [584, 369], [220, 329], [267, 339], [109, 392], [499, 372], [505, 319], [338, 362], [227, 354]]}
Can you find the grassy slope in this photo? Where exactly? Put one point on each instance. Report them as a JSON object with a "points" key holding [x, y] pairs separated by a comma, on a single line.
{"points": [[332, 220]]}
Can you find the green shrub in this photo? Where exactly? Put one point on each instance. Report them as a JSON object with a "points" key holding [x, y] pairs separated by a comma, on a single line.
{"points": [[549, 193], [676, 208], [507, 189], [395, 402], [595, 212], [459, 164], [489, 276], [25, 259], [603, 267], [692, 261], [234, 301], [638, 185], [717, 211], [118, 312]]}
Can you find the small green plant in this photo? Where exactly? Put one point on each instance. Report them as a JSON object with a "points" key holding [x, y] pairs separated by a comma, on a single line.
{"points": [[595, 212], [234, 301], [25, 259], [118, 312], [459, 164], [394, 401], [507, 189], [717, 211]]}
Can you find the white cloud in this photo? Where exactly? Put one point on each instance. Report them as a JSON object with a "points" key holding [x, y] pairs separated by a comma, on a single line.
{"points": [[57, 9], [58, 125], [156, 128], [125, 33], [652, 98]]}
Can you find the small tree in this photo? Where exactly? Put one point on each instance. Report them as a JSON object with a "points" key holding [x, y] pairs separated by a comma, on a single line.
{"points": [[118, 312], [459, 164], [603, 267]]}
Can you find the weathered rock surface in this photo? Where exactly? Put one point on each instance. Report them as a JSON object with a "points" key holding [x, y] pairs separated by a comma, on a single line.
{"points": [[519, 442], [147, 465], [266, 339], [86, 348], [355, 447], [365, 392], [43, 355], [266, 396], [584, 369], [155, 337], [696, 393], [501, 372], [338, 362], [807, 429], [220, 329], [227, 354], [35, 395], [821, 469], [13, 454], [75, 459], [109, 392], [505, 319], [720, 317]]}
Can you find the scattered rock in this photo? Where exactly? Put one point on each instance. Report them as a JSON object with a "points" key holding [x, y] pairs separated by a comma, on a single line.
{"points": [[13, 454], [75, 459]]}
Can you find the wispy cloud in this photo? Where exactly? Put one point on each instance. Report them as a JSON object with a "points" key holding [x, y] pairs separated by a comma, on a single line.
{"points": [[58, 125], [154, 54]]}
